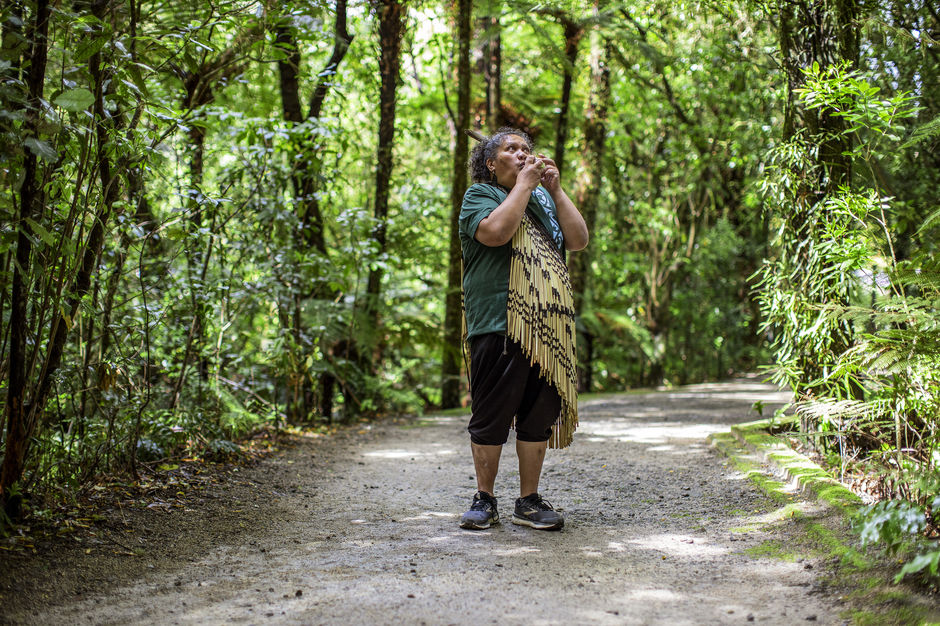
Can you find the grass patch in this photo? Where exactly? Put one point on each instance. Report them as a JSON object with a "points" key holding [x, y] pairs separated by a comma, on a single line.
{"points": [[740, 530], [892, 615], [798, 467]]}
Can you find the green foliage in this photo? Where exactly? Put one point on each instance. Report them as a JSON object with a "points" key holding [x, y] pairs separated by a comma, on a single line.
{"points": [[899, 525], [825, 244], [852, 299], [202, 313], [815, 269], [219, 304], [922, 133], [681, 231], [849, 95]]}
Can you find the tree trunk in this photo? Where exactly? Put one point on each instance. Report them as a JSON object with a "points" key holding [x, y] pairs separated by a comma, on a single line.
{"points": [[310, 233], [200, 86], [573, 33], [808, 33], [312, 221], [453, 311], [589, 183], [20, 418], [391, 16], [492, 64]]}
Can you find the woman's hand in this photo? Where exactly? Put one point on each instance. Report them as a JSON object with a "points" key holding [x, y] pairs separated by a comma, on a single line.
{"points": [[531, 173], [550, 178]]}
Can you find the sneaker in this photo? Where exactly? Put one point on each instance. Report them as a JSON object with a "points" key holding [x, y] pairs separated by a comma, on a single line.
{"points": [[533, 511], [482, 513]]}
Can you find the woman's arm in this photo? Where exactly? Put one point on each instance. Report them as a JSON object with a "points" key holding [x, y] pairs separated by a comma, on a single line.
{"points": [[498, 227]]}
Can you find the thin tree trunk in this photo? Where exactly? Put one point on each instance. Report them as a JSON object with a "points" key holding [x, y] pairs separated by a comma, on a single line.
{"points": [[391, 16], [492, 64], [20, 418], [312, 220], [573, 33], [28, 419], [195, 255], [305, 177], [200, 257], [200, 88], [77, 425], [289, 72], [110, 192], [589, 183], [136, 197], [453, 311]]}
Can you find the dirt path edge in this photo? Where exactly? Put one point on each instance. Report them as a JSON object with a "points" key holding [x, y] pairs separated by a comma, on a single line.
{"points": [[778, 470]]}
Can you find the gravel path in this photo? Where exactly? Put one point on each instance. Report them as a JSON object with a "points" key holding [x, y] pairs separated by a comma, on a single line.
{"points": [[362, 528]]}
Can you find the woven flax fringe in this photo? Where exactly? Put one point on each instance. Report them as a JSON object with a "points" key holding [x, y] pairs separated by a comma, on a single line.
{"points": [[541, 318]]}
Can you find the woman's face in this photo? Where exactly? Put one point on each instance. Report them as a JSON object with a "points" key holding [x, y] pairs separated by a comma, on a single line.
{"points": [[509, 160]]}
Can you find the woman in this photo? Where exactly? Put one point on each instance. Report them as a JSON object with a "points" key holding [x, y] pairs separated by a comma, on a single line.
{"points": [[515, 223]]}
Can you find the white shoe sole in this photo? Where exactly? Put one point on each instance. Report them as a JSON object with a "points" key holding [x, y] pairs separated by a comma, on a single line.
{"points": [[475, 526], [521, 521]]}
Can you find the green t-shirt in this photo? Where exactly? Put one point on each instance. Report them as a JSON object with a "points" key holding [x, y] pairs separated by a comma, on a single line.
{"points": [[486, 268]]}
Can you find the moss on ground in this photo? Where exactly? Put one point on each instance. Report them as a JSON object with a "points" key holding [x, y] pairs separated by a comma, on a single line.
{"points": [[891, 615], [773, 549], [825, 534]]}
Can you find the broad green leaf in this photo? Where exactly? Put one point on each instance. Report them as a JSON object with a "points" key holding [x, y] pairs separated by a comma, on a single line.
{"points": [[47, 237], [75, 100], [134, 72], [40, 148], [87, 49], [927, 560]]}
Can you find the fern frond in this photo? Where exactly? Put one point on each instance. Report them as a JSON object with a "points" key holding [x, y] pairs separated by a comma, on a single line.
{"points": [[925, 279], [923, 133], [932, 220], [838, 412]]}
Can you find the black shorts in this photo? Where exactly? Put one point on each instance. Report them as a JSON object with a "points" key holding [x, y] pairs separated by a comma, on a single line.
{"points": [[505, 385]]}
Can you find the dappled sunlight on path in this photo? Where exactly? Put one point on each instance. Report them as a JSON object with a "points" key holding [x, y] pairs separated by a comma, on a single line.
{"points": [[622, 429], [659, 530]]}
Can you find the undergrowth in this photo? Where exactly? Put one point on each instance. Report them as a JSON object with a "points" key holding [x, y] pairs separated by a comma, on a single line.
{"points": [[855, 323]]}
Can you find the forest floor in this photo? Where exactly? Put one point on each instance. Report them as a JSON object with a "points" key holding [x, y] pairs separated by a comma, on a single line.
{"points": [[361, 527]]}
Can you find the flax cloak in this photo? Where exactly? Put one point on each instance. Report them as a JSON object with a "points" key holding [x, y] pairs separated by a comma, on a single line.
{"points": [[540, 317]]}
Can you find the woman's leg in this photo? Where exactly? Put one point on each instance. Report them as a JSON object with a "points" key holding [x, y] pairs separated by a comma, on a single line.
{"points": [[531, 455], [486, 464]]}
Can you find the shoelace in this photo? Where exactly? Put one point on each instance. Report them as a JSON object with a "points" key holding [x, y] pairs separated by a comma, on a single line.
{"points": [[481, 504], [540, 503]]}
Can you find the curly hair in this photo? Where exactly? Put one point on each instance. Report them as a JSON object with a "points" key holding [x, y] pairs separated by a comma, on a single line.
{"points": [[487, 149]]}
